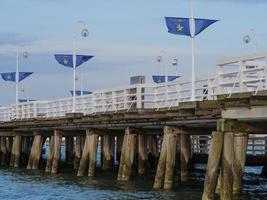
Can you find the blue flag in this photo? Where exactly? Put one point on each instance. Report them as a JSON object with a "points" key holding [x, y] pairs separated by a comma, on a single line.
{"points": [[79, 92], [67, 59], [25, 100], [11, 76], [181, 26], [178, 26], [202, 24], [161, 79]]}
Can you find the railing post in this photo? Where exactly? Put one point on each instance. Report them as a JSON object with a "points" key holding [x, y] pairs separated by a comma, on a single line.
{"points": [[178, 91], [155, 90], [35, 109], [220, 79], [209, 90], [93, 102], [242, 85], [139, 100], [166, 94]]}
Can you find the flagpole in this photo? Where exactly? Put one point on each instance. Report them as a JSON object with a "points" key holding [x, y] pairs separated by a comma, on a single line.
{"points": [[165, 65], [81, 85], [17, 76], [74, 70], [192, 29]]}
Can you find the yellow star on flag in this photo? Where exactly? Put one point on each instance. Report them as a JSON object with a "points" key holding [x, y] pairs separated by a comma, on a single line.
{"points": [[179, 28], [65, 61]]}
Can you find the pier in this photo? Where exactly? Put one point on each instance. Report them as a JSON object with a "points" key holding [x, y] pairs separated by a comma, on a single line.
{"points": [[151, 126]]}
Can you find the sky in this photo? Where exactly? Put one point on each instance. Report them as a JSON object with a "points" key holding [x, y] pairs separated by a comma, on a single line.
{"points": [[125, 37]]}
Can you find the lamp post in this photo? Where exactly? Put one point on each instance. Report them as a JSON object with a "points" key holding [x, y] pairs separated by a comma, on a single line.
{"points": [[84, 33], [162, 57], [192, 30], [27, 91], [175, 64], [251, 36], [25, 55]]}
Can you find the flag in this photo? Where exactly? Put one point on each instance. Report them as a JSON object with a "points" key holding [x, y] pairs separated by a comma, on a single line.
{"points": [[11, 76], [178, 26], [202, 24], [67, 59], [23, 75], [25, 100], [172, 78], [161, 79], [181, 26], [79, 92]]}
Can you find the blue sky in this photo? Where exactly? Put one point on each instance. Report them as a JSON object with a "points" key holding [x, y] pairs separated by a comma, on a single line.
{"points": [[125, 38]]}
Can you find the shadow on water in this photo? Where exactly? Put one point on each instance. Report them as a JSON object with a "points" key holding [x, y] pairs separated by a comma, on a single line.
{"points": [[37, 185]]}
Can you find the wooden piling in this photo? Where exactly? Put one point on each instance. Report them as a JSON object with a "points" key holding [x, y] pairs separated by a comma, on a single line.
{"points": [[127, 154], [92, 152], [170, 158], [152, 154], [36, 151], [89, 153], [57, 148], [165, 168], [3, 151], [240, 152], [214, 161], [16, 152], [142, 154], [25, 150], [50, 154], [119, 143], [185, 155], [227, 166], [106, 152], [159, 177], [69, 141], [84, 157], [78, 152]]}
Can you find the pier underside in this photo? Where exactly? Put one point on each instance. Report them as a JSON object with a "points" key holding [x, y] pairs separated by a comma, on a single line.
{"points": [[220, 133]]}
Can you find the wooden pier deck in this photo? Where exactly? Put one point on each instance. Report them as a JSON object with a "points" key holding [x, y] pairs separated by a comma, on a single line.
{"points": [[227, 123]]}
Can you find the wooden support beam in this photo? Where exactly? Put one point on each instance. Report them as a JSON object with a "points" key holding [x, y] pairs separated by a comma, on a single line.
{"points": [[3, 151], [232, 125], [107, 151], [240, 153], [92, 151], [57, 148], [185, 154], [36, 151], [78, 152], [171, 142], [85, 157], [227, 166], [89, 153], [165, 168], [25, 149], [213, 166], [16, 152], [127, 154], [50, 154], [119, 143], [69, 142], [142, 154]]}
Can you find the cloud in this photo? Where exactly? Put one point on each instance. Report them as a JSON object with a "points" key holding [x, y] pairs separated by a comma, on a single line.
{"points": [[14, 38]]}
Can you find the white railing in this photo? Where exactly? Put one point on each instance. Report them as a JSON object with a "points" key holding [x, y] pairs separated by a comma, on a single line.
{"points": [[240, 74], [256, 145]]}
